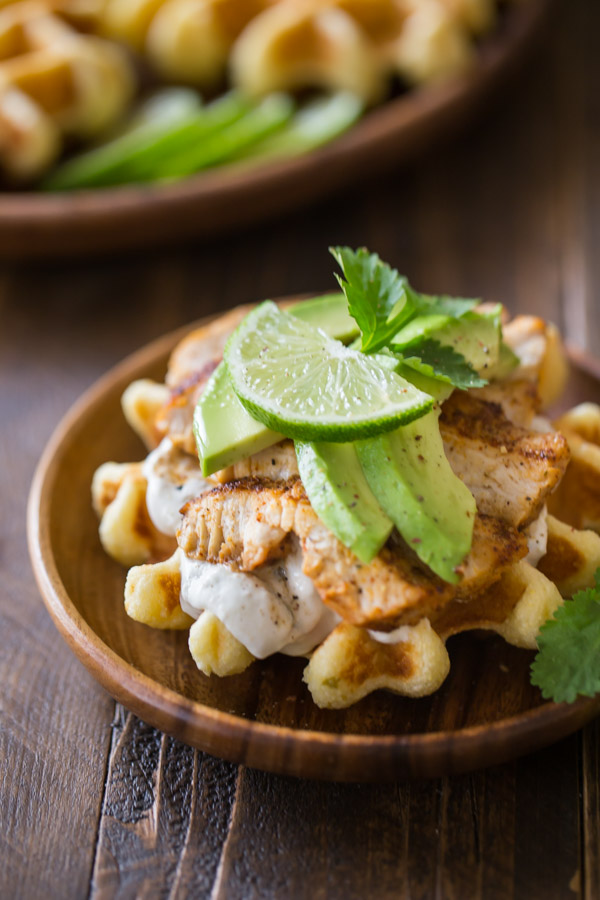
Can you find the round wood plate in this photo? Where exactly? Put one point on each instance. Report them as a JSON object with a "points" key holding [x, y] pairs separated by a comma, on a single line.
{"points": [[486, 712], [38, 225]]}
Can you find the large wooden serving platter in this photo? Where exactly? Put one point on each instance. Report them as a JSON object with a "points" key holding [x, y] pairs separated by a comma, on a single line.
{"points": [[41, 225], [486, 712]]}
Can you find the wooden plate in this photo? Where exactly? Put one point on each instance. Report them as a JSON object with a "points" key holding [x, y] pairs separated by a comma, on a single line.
{"points": [[34, 224], [486, 712]]}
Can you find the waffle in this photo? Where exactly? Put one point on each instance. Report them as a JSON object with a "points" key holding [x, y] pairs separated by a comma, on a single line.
{"points": [[271, 45], [55, 83], [126, 530], [184, 40], [577, 499], [353, 44], [297, 45]]}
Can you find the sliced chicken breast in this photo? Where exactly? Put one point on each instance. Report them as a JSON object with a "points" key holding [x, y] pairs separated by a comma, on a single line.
{"points": [[248, 522], [509, 470]]}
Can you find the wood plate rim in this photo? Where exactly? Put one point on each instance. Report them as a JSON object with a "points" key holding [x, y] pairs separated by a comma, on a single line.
{"points": [[306, 753], [37, 224]]}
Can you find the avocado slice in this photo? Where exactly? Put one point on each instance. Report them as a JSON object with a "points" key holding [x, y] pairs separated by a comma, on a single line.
{"points": [[411, 478], [507, 361], [224, 431], [437, 388], [476, 336], [341, 497]]}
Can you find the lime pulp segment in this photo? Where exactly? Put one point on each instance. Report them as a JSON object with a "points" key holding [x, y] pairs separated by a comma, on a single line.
{"points": [[296, 380]]}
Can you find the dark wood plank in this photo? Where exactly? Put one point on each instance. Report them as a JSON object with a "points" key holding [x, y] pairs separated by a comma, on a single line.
{"points": [[590, 811], [164, 818], [54, 718]]}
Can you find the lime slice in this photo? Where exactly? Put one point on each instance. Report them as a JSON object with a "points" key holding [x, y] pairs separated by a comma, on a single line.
{"points": [[296, 380]]}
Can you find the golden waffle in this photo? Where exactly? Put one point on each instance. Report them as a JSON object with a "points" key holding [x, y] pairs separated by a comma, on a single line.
{"points": [[185, 40], [572, 557], [577, 498], [142, 403], [433, 44], [152, 595], [54, 82], [82, 14], [126, 530], [215, 650], [297, 45]]}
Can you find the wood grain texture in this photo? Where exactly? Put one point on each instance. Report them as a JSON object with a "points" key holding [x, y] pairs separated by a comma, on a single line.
{"points": [[164, 818], [508, 211]]}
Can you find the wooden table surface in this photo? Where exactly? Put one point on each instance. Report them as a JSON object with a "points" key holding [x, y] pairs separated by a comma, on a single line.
{"points": [[93, 801]]}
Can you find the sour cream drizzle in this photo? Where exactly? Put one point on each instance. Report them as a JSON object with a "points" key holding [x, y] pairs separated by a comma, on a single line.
{"points": [[173, 479], [275, 609]]}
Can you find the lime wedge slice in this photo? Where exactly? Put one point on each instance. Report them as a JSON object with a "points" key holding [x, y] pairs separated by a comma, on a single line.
{"points": [[296, 380]]}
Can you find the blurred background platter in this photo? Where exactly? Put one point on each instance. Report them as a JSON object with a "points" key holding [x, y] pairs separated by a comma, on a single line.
{"points": [[46, 224]]}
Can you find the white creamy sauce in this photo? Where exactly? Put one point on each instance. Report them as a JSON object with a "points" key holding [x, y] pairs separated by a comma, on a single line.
{"points": [[537, 538], [173, 479], [275, 609], [403, 633]]}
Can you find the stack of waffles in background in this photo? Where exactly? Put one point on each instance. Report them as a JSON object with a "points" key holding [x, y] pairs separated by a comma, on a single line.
{"points": [[272, 45]]}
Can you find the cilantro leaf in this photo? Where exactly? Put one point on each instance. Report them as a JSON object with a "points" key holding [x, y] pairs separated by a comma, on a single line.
{"points": [[382, 301], [377, 295], [568, 661], [438, 361]]}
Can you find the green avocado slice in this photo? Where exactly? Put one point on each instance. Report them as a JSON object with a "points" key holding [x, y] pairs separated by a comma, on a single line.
{"points": [[411, 478], [224, 431], [341, 497], [476, 336]]}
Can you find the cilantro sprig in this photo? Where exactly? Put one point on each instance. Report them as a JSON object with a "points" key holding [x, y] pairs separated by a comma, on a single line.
{"points": [[431, 358], [378, 296], [567, 664], [382, 302]]}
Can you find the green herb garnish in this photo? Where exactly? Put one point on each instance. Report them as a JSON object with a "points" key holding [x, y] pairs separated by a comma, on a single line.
{"points": [[383, 304], [568, 661], [438, 361]]}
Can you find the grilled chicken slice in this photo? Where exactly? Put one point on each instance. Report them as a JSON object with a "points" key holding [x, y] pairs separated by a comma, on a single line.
{"points": [[519, 399], [191, 364], [202, 346], [248, 522], [278, 463], [175, 419], [509, 470]]}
